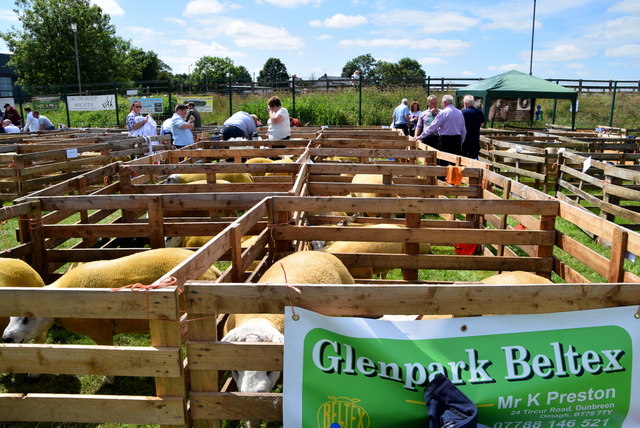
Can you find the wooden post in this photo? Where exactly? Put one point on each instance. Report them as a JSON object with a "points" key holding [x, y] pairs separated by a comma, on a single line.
{"points": [[618, 253], [411, 248], [168, 334], [547, 222], [156, 222]]}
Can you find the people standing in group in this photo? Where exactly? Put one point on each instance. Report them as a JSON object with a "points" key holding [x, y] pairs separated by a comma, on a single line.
{"points": [[43, 121], [402, 117], [449, 126], [473, 120], [278, 123], [32, 124], [240, 125], [9, 127], [425, 119], [12, 114], [134, 111], [197, 121], [414, 111], [181, 128]]}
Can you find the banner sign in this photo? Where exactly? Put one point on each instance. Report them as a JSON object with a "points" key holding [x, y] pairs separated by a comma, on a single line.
{"points": [[510, 110], [149, 105], [46, 104], [559, 370], [91, 103], [203, 105]]}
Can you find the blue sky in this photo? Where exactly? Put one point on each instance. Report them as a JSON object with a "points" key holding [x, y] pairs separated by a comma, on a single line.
{"points": [[588, 39]]}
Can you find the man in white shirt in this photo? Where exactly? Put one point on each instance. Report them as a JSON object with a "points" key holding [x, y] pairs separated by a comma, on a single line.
{"points": [[32, 124], [9, 127]]}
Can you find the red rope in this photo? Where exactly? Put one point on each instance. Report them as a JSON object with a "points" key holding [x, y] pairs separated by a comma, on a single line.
{"points": [[287, 287], [168, 281]]}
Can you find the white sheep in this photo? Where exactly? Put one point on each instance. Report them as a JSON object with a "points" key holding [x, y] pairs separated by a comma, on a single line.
{"points": [[304, 267], [516, 277], [144, 267], [231, 177], [371, 247], [17, 273]]}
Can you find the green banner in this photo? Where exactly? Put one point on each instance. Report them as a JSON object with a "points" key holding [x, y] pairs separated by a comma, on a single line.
{"points": [[45, 105], [531, 371]]}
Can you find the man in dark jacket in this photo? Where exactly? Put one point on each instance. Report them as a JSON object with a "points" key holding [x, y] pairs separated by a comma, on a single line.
{"points": [[12, 114]]}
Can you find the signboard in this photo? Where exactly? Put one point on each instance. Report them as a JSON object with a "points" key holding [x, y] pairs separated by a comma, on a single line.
{"points": [[510, 110], [149, 105], [4, 101], [91, 103], [571, 369], [46, 104], [203, 105]]}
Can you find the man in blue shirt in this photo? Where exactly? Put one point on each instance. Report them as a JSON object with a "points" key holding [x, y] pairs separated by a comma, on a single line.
{"points": [[402, 116], [240, 125], [180, 128]]}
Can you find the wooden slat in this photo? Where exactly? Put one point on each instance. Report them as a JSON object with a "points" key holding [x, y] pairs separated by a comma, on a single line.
{"points": [[235, 356], [91, 408], [236, 405], [447, 236], [88, 303], [90, 359], [460, 299]]}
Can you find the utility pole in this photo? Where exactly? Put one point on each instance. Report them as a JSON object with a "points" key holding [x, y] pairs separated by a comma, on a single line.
{"points": [[74, 28]]}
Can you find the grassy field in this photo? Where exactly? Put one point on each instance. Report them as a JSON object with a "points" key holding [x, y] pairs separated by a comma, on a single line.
{"points": [[341, 107]]}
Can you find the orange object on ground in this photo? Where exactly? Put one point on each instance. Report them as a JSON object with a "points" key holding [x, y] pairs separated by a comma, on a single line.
{"points": [[465, 249]]}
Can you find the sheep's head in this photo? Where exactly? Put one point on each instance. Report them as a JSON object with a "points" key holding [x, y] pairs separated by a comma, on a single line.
{"points": [[255, 331], [24, 329]]}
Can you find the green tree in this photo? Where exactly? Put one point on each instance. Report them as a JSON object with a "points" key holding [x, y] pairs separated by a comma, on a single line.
{"points": [[145, 65], [412, 71], [274, 72], [211, 70], [365, 63], [241, 75], [43, 48]]}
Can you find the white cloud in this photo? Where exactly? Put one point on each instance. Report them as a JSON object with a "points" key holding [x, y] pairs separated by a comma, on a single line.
{"points": [[196, 49], [251, 34], [8, 15], [562, 52], [467, 73], [621, 29], [110, 7], [144, 33], [625, 6], [624, 51], [444, 47], [324, 37], [292, 3], [508, 67], [575, 66], [431, 61], [202, 7], [177, 21], [438, 22], [340, 21]]}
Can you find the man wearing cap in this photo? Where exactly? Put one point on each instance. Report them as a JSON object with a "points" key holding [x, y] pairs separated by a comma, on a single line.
{"points": [[181, 129], [402, 116], [12, 114], [197, 121], [240, 125]]}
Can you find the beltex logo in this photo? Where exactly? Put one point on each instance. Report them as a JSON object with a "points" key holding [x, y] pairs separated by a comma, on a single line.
{"points": [[342, 412]]}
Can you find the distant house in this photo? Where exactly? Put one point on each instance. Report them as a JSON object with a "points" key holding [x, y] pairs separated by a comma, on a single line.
{"points": [[328, 82], [8, 77]]}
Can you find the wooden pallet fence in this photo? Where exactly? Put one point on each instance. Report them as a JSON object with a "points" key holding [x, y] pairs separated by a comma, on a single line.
{"points": [[26, 169], [611, 190], [162, 360]]}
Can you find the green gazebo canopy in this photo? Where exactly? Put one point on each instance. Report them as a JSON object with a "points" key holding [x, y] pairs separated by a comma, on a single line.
{"points": [[515, 84]]}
